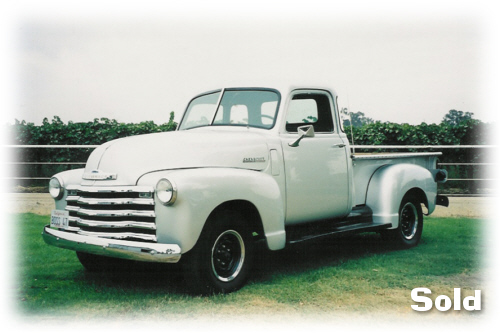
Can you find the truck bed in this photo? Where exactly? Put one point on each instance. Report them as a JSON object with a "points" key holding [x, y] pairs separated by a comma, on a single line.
{"points": [[365, 164]]}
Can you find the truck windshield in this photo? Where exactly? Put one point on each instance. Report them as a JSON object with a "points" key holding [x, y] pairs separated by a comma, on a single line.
{"points": [[237, 107]]}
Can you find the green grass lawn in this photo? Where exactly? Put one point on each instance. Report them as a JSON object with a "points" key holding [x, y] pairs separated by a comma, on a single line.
{"points": [[334, 277]]}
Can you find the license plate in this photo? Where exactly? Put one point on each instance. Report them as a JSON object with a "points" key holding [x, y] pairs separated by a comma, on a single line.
{"points": [[59, 219]]}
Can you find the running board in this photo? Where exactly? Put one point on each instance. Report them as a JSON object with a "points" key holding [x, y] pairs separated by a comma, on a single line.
{"points": [[360, 220]]}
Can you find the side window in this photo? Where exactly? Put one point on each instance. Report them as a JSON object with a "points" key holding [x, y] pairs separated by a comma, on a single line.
{"points": [[302, 111], [310, 108]]}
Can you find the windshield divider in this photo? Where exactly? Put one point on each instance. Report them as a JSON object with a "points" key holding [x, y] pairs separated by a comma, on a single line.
{"points": [[218, 104]]}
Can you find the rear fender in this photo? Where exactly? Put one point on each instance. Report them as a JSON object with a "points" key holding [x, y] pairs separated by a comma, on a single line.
{"points": [[389, 184]]}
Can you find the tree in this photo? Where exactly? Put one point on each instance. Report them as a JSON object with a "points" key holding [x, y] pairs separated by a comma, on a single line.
{"points": [[358, 119], [454, 117]]}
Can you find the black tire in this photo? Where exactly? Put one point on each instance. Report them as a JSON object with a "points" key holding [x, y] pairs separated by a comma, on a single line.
{"points": [[410, 226], [95, 263], [221, 260]]}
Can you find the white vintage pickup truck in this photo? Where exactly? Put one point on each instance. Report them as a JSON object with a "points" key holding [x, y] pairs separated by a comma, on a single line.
{"points": [[245, 165]]}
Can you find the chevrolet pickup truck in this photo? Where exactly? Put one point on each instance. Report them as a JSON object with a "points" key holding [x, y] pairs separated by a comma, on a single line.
{"points": [[245, 166]]}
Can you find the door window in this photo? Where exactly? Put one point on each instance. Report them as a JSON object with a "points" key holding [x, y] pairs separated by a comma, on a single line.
{"points": [[310, 109]]}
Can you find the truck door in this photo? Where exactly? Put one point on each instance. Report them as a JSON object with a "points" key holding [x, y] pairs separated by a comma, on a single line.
{"points": [[317, 183]]}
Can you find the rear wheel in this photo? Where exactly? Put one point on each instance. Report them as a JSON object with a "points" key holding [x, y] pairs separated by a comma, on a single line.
{"points": [[411, 222], [220, 262]]}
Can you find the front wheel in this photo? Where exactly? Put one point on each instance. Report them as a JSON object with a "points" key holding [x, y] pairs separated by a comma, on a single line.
{"points": [[220, 262], [410, 226], [228, 256]]}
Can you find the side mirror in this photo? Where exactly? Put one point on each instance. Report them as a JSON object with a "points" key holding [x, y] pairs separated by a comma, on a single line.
{"points": [[306, 131]]}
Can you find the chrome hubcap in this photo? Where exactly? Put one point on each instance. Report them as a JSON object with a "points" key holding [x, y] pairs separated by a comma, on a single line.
{"points": [[228, 255], [409, 221]]}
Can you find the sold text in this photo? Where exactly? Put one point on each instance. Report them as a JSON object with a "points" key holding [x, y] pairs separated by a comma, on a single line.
{"points": [[443, 302]]}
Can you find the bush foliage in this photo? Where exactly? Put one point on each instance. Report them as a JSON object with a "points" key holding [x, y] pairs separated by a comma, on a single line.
{"points": [[96, 132], [56, 132], [468, 131]]}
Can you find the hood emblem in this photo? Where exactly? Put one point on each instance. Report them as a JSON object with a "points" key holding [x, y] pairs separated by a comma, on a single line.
{"points": [[99, 175], [254, 159]]}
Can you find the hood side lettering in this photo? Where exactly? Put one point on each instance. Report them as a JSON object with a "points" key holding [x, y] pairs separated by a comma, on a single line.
{"points": [[254, 159]]}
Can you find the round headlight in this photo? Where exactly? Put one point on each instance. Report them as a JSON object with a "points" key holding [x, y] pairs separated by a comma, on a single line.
{"points": [[56, 188], [166, 192]]}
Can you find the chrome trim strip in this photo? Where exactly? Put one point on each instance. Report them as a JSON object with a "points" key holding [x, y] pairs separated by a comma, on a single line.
{"points": [[168, 253], [121, 201], [121, 224], [115, 213], [72, 229], [72, 198], [72, 208], [372, 156], [112, 189], [84, 203], [119, 235], [99, 175]]}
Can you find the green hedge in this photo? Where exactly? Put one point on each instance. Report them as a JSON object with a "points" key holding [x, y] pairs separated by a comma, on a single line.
{"points": [[56, 132], [96, 132], [468, 132]]}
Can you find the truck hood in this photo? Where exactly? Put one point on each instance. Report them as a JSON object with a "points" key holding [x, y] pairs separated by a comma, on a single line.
{"points": [[130, 158]]}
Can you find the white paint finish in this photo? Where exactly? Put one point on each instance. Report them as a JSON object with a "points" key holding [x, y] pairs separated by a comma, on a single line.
{"points": [[132, 157], [275, 162], [364, 166], [201, 190], [389, 184], [317, 182], [210, 166], [316, 179]]}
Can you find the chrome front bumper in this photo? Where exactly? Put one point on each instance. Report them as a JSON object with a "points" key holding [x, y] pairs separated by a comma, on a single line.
{"points": [[139, 251]]}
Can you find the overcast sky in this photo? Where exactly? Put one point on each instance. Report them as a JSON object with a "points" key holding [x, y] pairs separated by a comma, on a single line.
{"points": [[404, 65]]}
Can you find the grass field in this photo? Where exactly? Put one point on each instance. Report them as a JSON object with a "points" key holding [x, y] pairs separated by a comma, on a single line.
{"points": [[327, 279]]}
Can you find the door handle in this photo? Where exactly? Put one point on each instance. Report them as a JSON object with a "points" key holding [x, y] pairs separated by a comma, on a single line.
{"points": [[339, 145]]}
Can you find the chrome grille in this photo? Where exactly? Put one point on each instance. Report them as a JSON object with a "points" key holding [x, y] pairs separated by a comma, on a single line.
{"points": [[125, 213]]}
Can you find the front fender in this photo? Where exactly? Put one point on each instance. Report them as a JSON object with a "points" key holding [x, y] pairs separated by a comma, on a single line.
{"points": [[390, 183], [201, 190]]}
